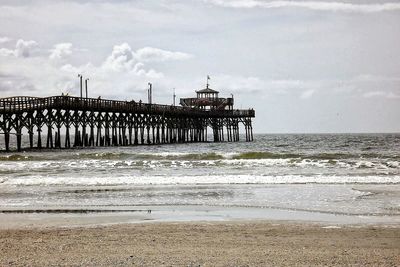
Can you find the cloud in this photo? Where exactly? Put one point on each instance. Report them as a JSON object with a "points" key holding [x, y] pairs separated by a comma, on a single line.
{"points": [[22, 49], [313, 5], [235, 84], [256, 85], [4, 52], [120, 74], [282, 86], [121, 59], [360, 85], [61, 51], [151, 54], [4, 39], [307, 94], [375, 78], [389, 95], [365, 85]]}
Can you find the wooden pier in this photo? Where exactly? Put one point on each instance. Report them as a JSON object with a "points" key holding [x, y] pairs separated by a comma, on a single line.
{"points": [[99, 122]]}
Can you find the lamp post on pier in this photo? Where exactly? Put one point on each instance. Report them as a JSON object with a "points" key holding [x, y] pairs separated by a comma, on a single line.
{"points": [[80, 82], [150, 93], [86, 87]]}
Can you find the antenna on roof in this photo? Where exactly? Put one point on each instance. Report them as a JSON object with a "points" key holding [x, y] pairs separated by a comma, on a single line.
{"points": [[208, 78], [174, 97]]}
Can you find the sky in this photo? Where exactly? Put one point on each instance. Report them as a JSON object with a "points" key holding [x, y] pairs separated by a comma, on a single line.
{"points": [[304, 66]]}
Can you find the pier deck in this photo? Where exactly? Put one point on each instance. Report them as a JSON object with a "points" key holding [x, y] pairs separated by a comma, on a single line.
{"points": [[101, 122]]}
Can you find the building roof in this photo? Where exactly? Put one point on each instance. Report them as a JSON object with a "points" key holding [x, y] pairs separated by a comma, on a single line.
{"points": [[207, 90]]}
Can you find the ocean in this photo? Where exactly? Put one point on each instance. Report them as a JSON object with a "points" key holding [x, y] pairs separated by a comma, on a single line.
{"points": [[335, 177]]}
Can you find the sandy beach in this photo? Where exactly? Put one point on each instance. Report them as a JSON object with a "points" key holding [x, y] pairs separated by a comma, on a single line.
{"points": [[250, 243]]}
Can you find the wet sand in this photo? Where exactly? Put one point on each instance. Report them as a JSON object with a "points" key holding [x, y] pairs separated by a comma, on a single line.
{"points": [[250, 243]]}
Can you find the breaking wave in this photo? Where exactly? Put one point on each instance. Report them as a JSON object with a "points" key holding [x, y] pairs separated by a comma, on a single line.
{"points": [[206, 179], [195, 156]]}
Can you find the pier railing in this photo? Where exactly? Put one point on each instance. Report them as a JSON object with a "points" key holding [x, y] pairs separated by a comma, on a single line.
{"points": [[25, 103]]}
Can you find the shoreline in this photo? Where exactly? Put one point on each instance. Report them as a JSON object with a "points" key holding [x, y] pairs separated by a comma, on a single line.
{"points": [[31, 217], [233, 243]]}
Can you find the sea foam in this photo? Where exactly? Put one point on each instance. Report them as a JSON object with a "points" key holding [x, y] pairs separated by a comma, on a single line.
{"points": [[205, 179]]}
